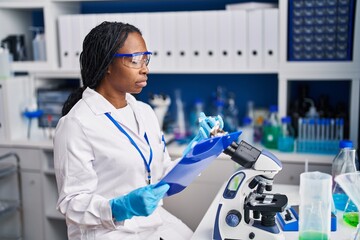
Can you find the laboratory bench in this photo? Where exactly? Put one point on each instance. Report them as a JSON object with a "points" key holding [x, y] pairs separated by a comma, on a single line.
{"points": [[38, 182], [205, 229]]}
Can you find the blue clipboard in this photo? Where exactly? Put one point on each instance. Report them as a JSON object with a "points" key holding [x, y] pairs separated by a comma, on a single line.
{"points": [[193, 163]]}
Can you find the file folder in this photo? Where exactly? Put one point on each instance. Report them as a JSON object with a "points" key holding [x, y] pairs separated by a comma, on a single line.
{"points": [[169, 40], [212, 55], [239, 35], [255, 39], [226, 57], [65, 41], [76, 40], [271, 38], [155, 41], [197, 36], [141, 21], [193, 163], [183, 42]]}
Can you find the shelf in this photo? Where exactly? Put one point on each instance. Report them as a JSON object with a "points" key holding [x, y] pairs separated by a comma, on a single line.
{"points": [[21, 4], [29, 66]]}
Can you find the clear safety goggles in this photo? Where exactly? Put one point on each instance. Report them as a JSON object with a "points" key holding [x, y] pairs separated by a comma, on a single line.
{"points": [[134, 60]]}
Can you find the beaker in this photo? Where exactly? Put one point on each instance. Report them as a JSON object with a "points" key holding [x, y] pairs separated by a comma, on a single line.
{"points": [[315, 206], [350, 183]]}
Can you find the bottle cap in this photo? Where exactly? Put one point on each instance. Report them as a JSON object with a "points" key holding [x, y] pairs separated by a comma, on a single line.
{"points": [[273, 108], [286, 119], [247, 121], [346, 144]]}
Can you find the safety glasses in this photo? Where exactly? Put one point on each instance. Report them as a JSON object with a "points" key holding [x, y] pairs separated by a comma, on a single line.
{"points": [[134, 60]]}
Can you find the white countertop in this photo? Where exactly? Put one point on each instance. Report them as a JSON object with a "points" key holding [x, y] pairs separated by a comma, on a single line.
{"points": [[205, 229]]}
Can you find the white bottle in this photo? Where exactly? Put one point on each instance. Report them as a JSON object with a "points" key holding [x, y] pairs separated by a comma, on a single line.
{"points": [[5, 68], [39, 46], [247, 131]]}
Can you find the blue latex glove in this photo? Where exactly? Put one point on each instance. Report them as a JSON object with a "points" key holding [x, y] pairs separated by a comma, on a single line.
{"points": [[206, 125], [140, 202]]}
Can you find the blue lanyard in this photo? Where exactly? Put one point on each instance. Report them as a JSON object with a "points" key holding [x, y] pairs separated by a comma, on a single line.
{"points": [[147, 164]]}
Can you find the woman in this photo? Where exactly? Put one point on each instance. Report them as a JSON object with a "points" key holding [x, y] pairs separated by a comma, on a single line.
{"points": [[108, 147]]}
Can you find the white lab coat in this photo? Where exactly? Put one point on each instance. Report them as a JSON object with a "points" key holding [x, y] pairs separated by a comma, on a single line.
{"points": [[95, 162]]}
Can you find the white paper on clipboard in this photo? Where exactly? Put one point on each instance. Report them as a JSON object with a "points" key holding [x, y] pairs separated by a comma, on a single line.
{"points": [[199, 158]]}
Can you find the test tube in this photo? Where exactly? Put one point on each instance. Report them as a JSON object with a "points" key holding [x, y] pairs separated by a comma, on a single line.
{"points": [[341, 128], [332, 130]]}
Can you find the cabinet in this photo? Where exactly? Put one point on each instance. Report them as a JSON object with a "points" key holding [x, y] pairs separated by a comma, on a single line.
{"points": [[11, 226]]}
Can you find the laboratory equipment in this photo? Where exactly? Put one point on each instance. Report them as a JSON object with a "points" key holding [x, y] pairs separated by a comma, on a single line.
{"points": [[233, 216], [180, 129], [38, 44], [315, 206], [344, 162], [160, 103], [271, 129], [208, 127], [319, 135], [5, 71], [195, 115], [350, 183], [286, 137], [247, 130], [321, 30], [16, 46]]}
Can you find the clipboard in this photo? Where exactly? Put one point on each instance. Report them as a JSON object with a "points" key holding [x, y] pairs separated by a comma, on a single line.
{"points": [[193, 163]]}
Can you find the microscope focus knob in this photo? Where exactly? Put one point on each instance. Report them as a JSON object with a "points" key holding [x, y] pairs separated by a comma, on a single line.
{"points": [[233, 218]]}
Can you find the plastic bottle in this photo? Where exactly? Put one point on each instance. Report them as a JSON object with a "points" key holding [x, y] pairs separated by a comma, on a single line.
{"points": [[194, 117], [286, 136], [38, 44], [231, 115], [272, 129], [344, 162], [247, 130], [5, 60]]}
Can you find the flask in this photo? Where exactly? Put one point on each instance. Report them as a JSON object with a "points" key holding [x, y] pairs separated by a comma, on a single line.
{"points": [[231, 114], [272, 129], [247, 130], [344, 162], [286, 136]]}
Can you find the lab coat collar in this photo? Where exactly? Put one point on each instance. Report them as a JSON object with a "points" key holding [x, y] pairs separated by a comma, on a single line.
{"points": [[99, 105]]}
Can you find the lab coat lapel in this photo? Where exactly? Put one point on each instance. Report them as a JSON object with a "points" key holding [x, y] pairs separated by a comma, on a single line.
{"points": [[132, 102]]}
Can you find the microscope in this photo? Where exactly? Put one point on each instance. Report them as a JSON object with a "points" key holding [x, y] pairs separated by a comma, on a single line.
{"points": [[245, 210]]}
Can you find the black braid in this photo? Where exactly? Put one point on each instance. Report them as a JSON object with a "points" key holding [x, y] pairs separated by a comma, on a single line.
{"points": [[99, 47]]}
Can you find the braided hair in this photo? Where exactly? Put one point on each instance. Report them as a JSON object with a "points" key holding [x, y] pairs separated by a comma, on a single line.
{"points": [[99, 47]]}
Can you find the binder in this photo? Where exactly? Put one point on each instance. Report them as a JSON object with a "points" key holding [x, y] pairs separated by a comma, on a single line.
{"points": [[255, 39], [183, 41], [141, 21], [197, 39], [211, 28], [226, 57], [169, 40], [193, 163], [240, 39], [155, 40], [76, 40], [65, 41], [271, 38]]}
